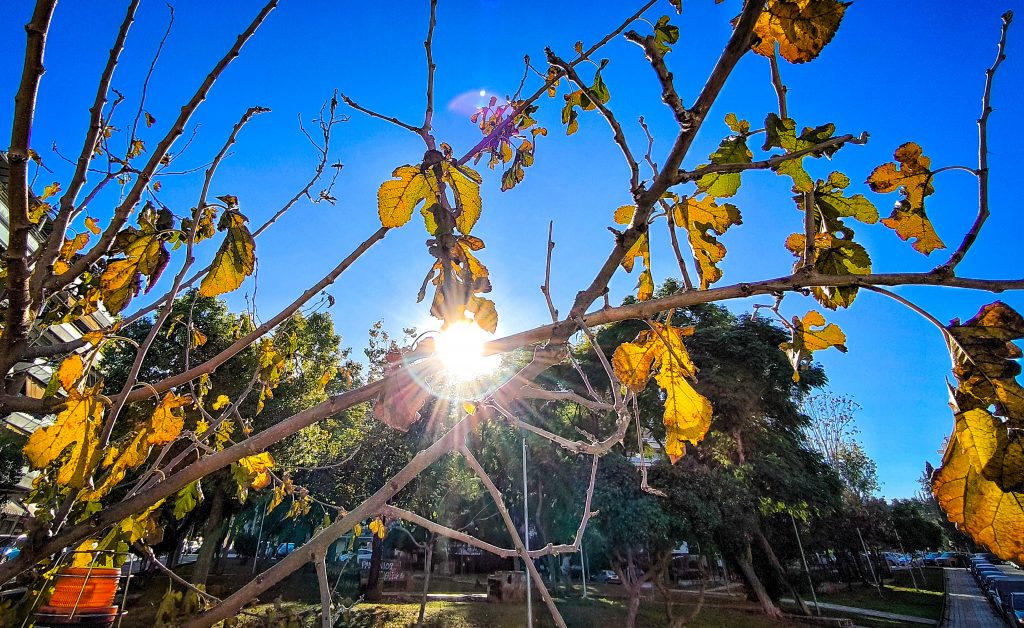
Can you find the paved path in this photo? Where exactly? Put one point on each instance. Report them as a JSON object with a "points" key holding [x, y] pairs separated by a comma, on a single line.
{"points": [[966, 605], [867, 612]]}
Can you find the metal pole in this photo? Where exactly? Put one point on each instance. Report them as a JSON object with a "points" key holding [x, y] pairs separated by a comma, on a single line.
{"points": [[870, 567], [259, 540], [583, 569], [526, 542], [800, 544]]}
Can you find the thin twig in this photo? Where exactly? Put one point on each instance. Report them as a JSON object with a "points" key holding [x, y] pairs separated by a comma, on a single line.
{"points": [[780, 89], [986, 108], [684, 176], [618, 135], [669, 95], [517, 540], [546, 288], [431, 67], [671, 221], [373, 114]]}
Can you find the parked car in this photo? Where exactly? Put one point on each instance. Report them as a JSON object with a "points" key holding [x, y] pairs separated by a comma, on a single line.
{"points": [[951, 559], [10, 546], [929, 559], [607, 575], [1015, 609], [284, 549], [1002, 589]]}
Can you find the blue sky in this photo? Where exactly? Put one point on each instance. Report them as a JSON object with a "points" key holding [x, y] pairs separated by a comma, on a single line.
{"points": [[904, 71]]}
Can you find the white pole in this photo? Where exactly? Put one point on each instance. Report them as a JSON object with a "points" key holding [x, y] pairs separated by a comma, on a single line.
{"points": [[803, 557], [583, 569], [526, 542]]}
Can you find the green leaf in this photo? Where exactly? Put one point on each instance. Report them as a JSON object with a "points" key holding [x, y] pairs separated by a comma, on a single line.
{"points": [[665, 35], [732, 150], [833, 256], [781, 133], [186, 499]]}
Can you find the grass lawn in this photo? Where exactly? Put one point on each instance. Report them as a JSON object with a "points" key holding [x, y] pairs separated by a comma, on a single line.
{"points": [[580, 613], [898, 596]]}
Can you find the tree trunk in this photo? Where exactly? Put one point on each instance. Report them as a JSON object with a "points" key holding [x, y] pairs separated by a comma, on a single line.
{"points": [[774, 560], [374, 585], [746, 566], [426, 579], [212, 531], [633, 608]]}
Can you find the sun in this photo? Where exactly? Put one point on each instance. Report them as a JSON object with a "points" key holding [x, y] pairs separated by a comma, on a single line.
{"points": [[460, 348]]}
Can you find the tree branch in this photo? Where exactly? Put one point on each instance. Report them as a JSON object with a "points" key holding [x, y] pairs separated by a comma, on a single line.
{"points": [[18, 313], [499, 501], [67, 202], [146, 174], [982, 172], [684, 176]]}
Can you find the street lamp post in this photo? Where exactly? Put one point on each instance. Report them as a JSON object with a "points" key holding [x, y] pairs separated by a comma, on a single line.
{"points": [[526, 542]]}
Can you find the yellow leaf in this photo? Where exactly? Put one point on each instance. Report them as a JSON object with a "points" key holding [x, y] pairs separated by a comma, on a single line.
{"points": [[257, 468], [145, 255], [698, 216], [357, 530], [646, 288], [201, 426], [326, 378], [800, 27], [51, 190], [220, 402], [198, 338], [469, 407], [377, 527], [485, 315], [235, 259], [633, 361], [91, 225], [990, 515], [396, 200], [93, 337], [985, 361], [168, 419], [78, 424], [806, 340], [465, 183], [70, 371], [624, 214], [137, 148], [912, 177], [687, 414]]}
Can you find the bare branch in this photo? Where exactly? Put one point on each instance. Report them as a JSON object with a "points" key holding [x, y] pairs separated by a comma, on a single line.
{"points": [[145, 175], [528, 392], [982, 172], [780, 89], [684, 176], [96, 124], [431, 67], [373, 114], [619, 136], [514, 533], [17, 316], [668, 88], [546, 288]]}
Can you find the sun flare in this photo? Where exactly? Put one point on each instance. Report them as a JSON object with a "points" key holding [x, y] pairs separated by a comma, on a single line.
{"points": [[460, 348]]}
